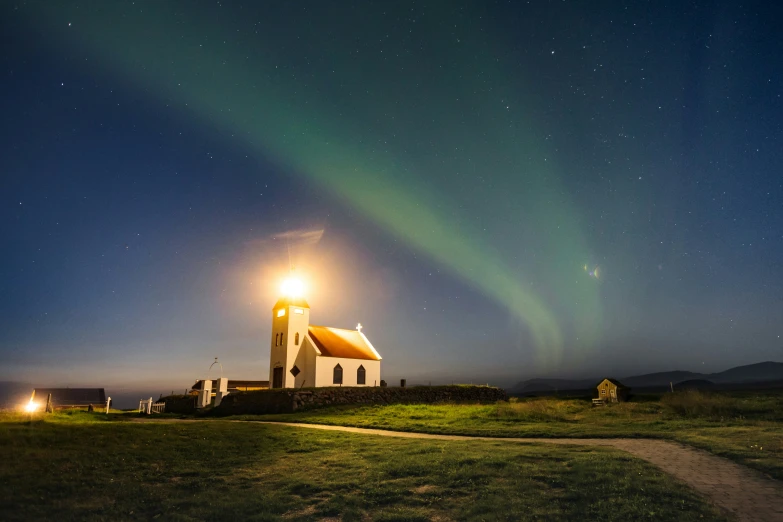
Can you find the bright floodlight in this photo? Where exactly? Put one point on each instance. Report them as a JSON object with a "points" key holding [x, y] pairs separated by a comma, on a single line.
{"points": [[292, 287], [31, 407]]}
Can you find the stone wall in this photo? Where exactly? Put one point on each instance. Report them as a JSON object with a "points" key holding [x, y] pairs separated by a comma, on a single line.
{"points": [[289, 400]]}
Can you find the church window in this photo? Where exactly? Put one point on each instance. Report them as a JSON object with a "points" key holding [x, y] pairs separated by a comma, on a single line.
{"points": [[361, 375], [295, 371], [298, 311], [281, 338], [281, 312], [277, 338], [338, 375], [296, 339]]}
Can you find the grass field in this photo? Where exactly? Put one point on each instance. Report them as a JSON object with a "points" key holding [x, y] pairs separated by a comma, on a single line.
{"points": [[745, 427], [96, 467]]}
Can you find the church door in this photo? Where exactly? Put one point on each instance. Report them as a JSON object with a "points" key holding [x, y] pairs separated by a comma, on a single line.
{"points": [[277, 378]]}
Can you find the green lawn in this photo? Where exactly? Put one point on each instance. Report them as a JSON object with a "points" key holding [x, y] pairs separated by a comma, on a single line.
{"points": [[93, 467], [747, 428]]}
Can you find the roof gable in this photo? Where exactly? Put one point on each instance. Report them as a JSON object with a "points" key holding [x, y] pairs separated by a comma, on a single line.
{"points": [[613, 381], [347, 344], [232, 384]]}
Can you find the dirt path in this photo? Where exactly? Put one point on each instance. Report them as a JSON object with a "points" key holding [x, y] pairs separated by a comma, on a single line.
{"points": [[745, 492]]}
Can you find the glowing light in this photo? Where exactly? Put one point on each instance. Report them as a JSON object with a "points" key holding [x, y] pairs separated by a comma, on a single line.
{"points": [[281, 312], [31, 406], [292, 287]]}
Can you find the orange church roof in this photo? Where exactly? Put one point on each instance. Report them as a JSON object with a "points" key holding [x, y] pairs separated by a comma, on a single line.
{"points": [[336, 342]]}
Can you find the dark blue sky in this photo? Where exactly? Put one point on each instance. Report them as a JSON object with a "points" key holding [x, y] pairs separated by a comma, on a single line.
{"points": [[442, 173]]}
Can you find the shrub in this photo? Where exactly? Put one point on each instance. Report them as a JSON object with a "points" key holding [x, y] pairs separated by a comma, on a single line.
{"points": [[535, 410], [180, 403], [694, 403]]}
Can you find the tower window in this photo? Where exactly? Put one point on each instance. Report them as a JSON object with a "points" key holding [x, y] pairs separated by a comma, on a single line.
{"points": [[281, 338], [361, 375], [277, 338], [338, 375], [298, 311], [296, 339], [295, 371], [281, 312]]}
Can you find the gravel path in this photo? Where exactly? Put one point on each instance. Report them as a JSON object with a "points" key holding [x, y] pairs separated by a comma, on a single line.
{"points": [[746, 493]]}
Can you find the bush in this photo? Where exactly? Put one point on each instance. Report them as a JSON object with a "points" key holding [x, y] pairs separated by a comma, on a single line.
{"points": [[537, 410], [694, 403], [180, 403]]}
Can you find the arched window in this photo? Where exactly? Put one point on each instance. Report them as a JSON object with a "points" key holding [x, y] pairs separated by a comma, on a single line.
{"points": [[277, 338], [296, 339], [338, 375], [281, 338], [361, 375]]}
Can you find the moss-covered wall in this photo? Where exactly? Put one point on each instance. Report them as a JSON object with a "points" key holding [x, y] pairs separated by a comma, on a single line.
{"points": [[289, 400]]}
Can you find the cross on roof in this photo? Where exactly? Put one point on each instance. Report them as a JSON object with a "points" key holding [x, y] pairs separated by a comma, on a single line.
{"points": [[359, 327]]}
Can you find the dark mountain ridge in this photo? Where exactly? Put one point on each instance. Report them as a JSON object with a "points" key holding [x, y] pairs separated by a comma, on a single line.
{"points": [[751, 373]]}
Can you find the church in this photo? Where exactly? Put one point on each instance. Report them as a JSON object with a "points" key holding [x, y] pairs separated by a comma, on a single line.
{"points": [[305, 355]]}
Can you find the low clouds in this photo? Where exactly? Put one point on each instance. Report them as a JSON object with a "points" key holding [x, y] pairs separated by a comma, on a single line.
{"points": [[301, 236]]}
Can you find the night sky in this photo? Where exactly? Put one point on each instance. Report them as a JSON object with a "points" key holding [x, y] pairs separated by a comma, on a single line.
{"points": [[495, 190]]}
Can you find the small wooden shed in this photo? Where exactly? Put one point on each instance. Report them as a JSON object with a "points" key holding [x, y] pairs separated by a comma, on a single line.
{"points": [[612, 390]]}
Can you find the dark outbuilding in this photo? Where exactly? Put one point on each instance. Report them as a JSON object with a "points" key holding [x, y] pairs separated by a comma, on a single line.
{"points": [[612, 390], [71, 397]]}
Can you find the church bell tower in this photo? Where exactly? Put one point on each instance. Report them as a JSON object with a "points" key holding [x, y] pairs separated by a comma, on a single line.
{"points": [[290, 319]]}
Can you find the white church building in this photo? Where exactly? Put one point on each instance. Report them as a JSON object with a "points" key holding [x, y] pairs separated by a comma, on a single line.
{"points": [[304, 355]]}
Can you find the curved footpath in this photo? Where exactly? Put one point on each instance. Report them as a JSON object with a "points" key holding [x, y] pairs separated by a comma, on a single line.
{"points": [[744, 492]]}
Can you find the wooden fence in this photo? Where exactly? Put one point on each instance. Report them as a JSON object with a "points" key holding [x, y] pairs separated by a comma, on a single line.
{"points": [[149, 407]]}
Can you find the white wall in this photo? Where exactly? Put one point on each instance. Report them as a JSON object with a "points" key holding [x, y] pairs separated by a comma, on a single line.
{"points": [[324, 371], [305, 361]]}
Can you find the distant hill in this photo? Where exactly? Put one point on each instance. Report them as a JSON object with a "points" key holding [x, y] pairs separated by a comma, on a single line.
{"points": [[759, 372], [751, 373], [12, 394], [695, 384], [661, 378]]}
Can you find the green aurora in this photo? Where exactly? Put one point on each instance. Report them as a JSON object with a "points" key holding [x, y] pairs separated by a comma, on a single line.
{"points": [[418, 150]]}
